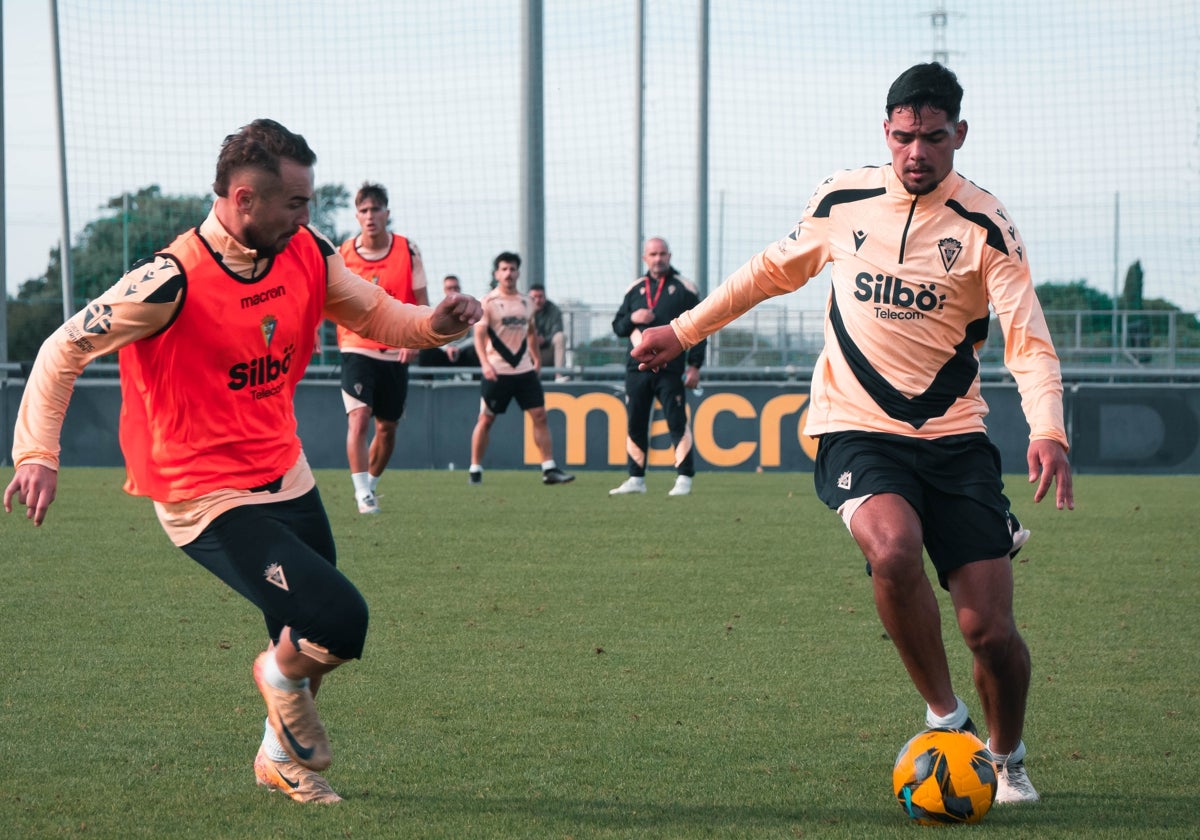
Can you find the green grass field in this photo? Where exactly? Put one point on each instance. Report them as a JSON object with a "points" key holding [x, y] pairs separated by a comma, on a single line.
{"points": [[549, 662]]}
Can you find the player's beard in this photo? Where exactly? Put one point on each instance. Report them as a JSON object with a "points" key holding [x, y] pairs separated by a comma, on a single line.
{"points": [[265, 246]]}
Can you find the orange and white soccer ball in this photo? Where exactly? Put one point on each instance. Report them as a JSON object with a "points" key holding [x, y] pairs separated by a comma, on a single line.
{"points": [[944, 776]]}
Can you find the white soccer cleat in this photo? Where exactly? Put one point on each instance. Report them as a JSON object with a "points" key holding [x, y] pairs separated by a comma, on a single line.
{"points": [[1020, 535], [368, 503], [683, 486], [1013, 785], [633, 484]]}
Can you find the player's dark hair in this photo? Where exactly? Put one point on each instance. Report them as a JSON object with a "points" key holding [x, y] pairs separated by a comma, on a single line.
{"points": [[508, 257], [259, 145], [537, 287], [368, 190], [926, 86]]}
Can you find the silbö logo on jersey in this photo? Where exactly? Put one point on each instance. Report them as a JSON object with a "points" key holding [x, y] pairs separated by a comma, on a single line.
{"points": [[895, 299], [265, 374]]}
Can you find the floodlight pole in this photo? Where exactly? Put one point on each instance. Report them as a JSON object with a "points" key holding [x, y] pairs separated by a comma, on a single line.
{"points": [[639, 134], [702, 158], [64, 253], [532, 215], [3, 239]]}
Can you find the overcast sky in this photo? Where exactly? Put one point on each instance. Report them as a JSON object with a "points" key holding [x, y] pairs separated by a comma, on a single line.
{"points": [[1071, 102]]}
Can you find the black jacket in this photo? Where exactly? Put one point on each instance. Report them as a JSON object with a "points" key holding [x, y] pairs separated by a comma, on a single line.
{"points": [[676, 296]]}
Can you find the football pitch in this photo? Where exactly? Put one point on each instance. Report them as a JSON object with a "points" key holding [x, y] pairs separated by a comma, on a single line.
{"points": [[549, 662]]}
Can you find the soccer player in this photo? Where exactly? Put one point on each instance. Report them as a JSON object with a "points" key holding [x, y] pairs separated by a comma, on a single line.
{"points": [[918, 255], [214, 334], [507, 345], [374, 375], [654, 299]]}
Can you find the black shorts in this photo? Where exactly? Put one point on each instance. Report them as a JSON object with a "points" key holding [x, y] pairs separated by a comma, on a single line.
{"points": [[380, 385], [525, 387], [281, 557], [953, 483]]}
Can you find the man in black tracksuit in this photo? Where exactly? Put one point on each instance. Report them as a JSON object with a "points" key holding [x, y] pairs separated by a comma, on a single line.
{"points": [[653, 299]]}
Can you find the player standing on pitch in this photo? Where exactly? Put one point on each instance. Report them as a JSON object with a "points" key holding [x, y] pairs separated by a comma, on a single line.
{"points": [[918, 255], [214, 334]]}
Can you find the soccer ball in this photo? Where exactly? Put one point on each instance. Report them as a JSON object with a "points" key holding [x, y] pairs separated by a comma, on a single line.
{"points": [[944, 776]]}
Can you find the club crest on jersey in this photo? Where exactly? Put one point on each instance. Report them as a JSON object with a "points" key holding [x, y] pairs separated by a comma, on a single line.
{"points": [[267, 325], [949, 249]]}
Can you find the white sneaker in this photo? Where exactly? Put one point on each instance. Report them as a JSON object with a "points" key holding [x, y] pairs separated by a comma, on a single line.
{"points": [[683, 486], [1013, 785], [633, 484], [368, 504]]}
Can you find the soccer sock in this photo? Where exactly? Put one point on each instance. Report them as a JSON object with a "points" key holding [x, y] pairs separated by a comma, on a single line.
{"points": [[372, 482], [276, 679], [954, 720], [475, 468], [1002, 759], [548, 465], [271, 745], [362, 486]]}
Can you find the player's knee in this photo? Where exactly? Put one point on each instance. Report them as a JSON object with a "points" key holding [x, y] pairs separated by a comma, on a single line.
{"points": [[345, 632], [990, 638]]}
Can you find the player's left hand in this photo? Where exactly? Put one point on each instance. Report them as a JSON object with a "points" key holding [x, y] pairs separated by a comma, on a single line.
{"points": [[658, 345], [691, 377], [454, 312], [1048, 464]]}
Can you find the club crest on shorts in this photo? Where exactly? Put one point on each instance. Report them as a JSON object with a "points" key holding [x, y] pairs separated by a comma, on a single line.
{"points": [[844, 481], [274, 574]]}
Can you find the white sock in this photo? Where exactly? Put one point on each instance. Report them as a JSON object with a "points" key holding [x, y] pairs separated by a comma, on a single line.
{"points": [[475, 468], [362, 486], [1014, 757], [271, 745], [954, 720], [548, 465], [372, 482], [276, 679]]}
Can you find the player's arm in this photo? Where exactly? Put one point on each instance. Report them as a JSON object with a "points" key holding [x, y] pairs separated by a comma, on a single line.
{"points": [[1030, 356], [371, 312], [481, 340], [420, 293], [142, 303], [623, 324], [531, 342]]}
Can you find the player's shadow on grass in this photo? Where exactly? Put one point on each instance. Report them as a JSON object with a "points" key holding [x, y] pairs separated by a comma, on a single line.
{"points": [[677, 819], [1068, 811]]}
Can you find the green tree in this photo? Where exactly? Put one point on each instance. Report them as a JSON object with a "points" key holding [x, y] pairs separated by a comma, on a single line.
{"points": [[327, 201], [1131, 295], [134, 226]]}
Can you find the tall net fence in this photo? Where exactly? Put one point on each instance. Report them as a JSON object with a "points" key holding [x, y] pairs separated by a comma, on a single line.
{"points": [[1084, 119]]}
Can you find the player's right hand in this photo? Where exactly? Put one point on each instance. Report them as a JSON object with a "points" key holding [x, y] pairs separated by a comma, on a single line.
{"points": [[658, 345], [35, 487]]}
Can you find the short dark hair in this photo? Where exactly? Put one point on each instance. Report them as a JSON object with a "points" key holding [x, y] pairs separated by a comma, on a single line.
{"points": [[537, 287], [259, 145], [508, 257], [926, 86], [370, 190]]}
